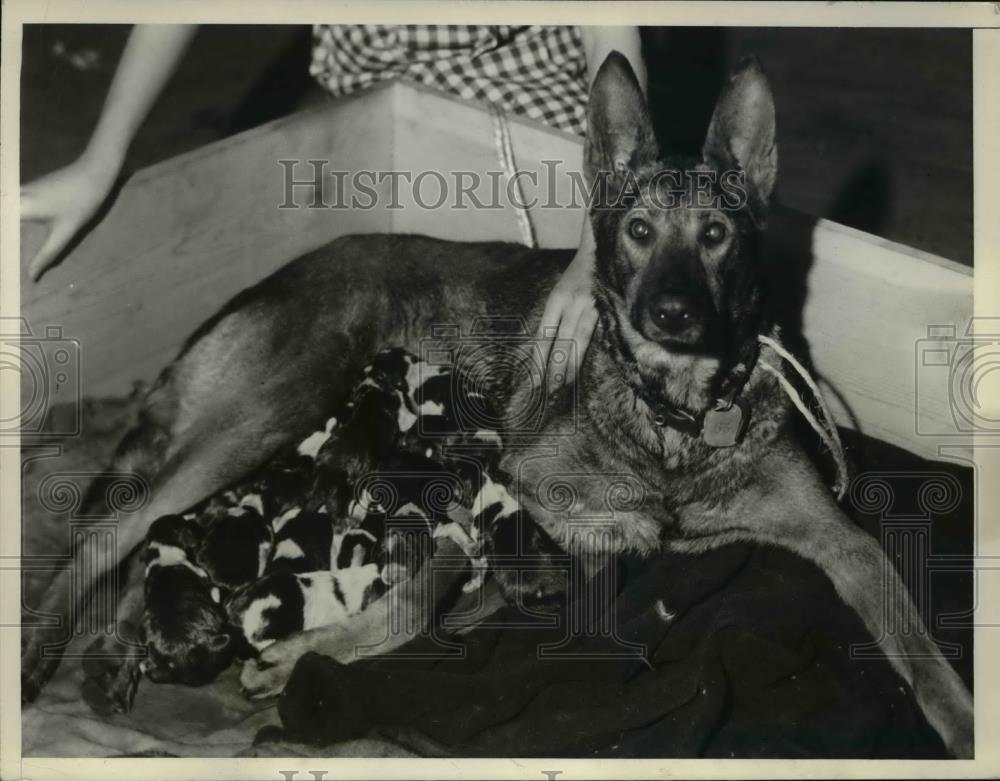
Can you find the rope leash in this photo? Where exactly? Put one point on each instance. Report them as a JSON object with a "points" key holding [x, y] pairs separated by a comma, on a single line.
{"points": [[505, 156], [828, 430]]}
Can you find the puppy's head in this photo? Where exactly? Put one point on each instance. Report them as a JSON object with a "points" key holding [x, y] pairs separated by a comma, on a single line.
{"points": [[677, 280], [188, 637]]}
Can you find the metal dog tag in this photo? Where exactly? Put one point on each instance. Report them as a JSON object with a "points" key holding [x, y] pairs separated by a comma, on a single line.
{"points": [[726, 427]]}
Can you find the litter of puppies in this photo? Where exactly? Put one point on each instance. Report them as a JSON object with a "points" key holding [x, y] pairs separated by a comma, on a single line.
{"points": [[330, 525]]}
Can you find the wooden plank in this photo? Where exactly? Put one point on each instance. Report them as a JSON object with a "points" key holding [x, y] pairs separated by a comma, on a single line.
{"points": [[183, 236], [869, 304], [436, 132]]}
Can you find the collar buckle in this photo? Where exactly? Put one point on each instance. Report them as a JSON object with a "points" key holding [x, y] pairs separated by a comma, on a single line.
{"points": [[664, 415]]}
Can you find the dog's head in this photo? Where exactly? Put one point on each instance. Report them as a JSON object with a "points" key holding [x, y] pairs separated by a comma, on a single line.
{"points": [[677, 278]]}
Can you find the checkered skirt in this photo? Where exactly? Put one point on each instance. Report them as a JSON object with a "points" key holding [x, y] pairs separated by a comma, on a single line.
{"points": [[538, 72]]}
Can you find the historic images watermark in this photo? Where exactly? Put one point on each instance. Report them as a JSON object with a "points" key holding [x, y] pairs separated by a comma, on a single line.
{"points": [[315, 184], [48, 367], [964, 363]]}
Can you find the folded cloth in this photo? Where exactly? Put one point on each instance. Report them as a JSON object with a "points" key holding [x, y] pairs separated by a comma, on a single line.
{"points": [[745, 652]]}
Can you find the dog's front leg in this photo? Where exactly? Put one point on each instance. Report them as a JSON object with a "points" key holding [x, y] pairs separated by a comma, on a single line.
{"points": [[869, 583], [403, 613], [798, 513]]}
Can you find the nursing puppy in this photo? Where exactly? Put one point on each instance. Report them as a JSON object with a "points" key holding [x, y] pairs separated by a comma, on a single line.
{"points": [[286, 602], [303, 542], [185, 628], [235, 545]]}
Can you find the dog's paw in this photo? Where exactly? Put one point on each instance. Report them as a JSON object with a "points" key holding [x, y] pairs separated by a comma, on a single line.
{"points": [[112, 667], [266, 675]]}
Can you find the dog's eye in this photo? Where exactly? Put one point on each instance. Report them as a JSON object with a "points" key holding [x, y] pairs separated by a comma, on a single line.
{"points": [[638, 229], [714, 233]]}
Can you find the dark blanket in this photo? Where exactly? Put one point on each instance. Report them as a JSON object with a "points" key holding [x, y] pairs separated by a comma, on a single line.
{"points": [[755, 663], [748, 654]]}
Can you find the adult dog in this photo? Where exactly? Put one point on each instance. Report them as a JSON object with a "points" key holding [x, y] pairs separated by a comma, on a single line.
{"points": [[673, 372]]}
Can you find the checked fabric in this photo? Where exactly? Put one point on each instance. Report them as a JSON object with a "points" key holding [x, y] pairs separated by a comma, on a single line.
{"points": [[538, 72]]}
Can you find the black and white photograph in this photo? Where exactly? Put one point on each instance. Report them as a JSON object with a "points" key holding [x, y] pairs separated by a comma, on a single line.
{"points": [[390, 394]]}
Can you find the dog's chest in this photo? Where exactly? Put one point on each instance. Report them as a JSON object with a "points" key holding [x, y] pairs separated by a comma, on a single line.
{"points": [[587, 507]]}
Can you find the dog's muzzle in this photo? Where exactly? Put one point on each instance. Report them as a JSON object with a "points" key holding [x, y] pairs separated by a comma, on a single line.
{"points": [[674, 319]]}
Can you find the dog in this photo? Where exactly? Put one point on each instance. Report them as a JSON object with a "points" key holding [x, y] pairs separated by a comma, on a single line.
{"points": [[675, 361]]}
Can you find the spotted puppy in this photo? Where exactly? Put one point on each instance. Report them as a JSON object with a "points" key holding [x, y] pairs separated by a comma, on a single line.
{"points": [[523, 559], [286, 602], [235, 545], [303, 542]]}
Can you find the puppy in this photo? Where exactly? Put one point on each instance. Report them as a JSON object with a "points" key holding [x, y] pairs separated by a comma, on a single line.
{"points": [[399, 509], [523, 559], [236, 545], [289, 478], [375, 416], [186, 630], [303, 542], [286, 602]]}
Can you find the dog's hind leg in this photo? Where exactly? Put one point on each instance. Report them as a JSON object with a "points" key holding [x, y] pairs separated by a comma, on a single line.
{"points": [[224, 451], [218, 412], [112, 662]]}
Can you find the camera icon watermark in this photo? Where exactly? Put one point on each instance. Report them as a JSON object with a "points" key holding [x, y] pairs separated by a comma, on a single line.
{"points": [[500, 358], [48, 369], [961, 371]]}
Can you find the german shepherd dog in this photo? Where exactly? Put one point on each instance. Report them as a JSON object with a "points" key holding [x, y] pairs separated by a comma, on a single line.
{"points": [[680, 298]]}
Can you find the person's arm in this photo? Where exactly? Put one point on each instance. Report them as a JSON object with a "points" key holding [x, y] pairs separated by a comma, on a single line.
{"points": [[569, 311], [69, 197]]}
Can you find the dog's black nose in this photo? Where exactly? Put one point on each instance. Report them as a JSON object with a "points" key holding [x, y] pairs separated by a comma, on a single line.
{"points": [[672, 313]]}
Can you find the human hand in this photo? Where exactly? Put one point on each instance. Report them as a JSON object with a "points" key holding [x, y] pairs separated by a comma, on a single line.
{"points": [[569, 314], [66, 199]]}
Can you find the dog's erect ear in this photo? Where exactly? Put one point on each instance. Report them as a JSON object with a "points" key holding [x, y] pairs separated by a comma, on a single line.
{"points": [[619, 131], [741, 135]]}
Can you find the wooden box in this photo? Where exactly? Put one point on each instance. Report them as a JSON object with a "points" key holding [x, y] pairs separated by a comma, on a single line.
{"points": [[186, 234]]}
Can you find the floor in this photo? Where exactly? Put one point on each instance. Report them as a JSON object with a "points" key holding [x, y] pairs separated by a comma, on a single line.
{"points": [[875, 126]]}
